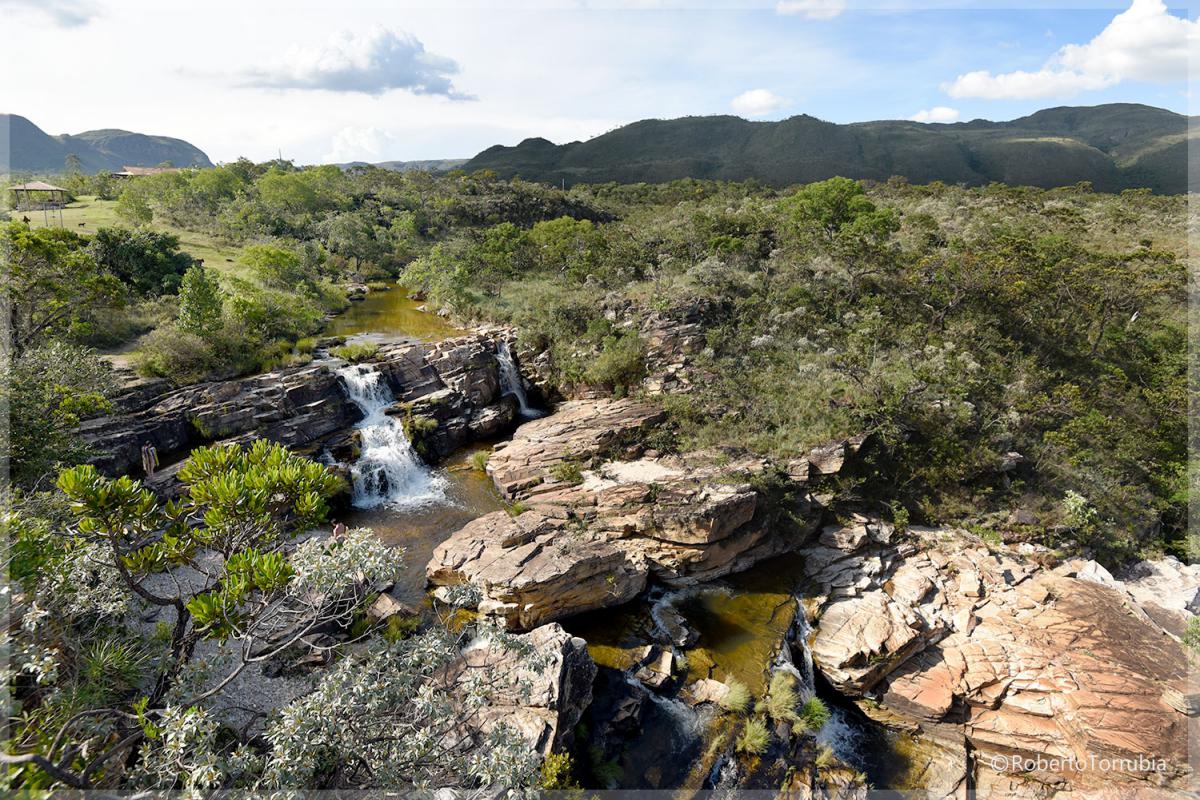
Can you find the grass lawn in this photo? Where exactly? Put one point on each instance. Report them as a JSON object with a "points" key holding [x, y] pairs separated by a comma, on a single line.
{"points": [[88, 214]]}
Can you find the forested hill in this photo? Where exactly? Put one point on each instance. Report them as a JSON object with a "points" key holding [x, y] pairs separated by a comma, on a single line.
{"points": [[24, 147], [1115, 146]]}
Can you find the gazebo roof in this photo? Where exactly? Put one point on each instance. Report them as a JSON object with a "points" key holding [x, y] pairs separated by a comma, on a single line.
{"points": [[37, 186]]}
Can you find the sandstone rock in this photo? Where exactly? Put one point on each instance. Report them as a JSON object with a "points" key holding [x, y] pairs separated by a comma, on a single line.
{"points": [[529, 571], [707, 690], [542, 693], [1060, 664]]}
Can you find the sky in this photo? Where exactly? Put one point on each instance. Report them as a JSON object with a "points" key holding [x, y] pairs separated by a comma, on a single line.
{"points": [[322, 82]]}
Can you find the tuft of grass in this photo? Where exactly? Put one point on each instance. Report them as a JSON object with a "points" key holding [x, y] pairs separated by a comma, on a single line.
{"points": [[479, 460], [359, 351], [754, 738], [738, 698], [516, 508], [782, 697], [568, 471], [814, 714]]}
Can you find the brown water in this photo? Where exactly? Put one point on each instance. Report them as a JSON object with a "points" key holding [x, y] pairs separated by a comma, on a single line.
{"points": [[391, 313], [420, 530]]}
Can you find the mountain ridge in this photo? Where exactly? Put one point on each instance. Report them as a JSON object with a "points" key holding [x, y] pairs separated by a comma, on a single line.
{"points": [[24, 147], [1114, 146]]}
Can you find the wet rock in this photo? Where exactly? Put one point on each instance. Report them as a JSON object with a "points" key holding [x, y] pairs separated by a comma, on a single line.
{"points": [[656, 667], [453, 383], [948, 634]]}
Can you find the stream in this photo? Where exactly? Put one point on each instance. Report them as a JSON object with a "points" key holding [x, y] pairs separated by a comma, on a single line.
{"points": [[739, 626]]}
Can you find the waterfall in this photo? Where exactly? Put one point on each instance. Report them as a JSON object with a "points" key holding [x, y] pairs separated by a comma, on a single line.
{"points": [[799, 637], [510, 381], [388, 470]]}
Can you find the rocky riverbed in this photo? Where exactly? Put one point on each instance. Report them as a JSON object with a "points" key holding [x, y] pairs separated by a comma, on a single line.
{"points": [[986, 657]]}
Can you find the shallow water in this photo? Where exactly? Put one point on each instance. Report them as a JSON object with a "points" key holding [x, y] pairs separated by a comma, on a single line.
{"points": [[388, 314], [469, 494]]}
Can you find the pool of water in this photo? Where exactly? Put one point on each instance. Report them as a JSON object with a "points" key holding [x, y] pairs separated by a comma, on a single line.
{"points": [[470, 494], [388, 314]]}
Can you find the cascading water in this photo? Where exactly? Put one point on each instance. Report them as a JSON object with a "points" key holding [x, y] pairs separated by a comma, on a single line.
{"points": [[388, 470], [510, 381]]}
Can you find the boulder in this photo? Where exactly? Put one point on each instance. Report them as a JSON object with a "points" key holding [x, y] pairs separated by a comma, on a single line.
{"points": [[542, 684]]}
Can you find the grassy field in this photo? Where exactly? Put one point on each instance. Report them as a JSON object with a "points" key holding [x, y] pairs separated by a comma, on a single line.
{"points": [[89, 214]]}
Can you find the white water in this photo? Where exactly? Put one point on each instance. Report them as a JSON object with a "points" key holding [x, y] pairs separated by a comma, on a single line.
{"points": [[388, 470], [510, 381]]}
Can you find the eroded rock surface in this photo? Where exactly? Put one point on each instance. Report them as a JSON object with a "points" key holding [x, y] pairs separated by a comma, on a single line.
{"points": [[976, 644], [601, 516]]}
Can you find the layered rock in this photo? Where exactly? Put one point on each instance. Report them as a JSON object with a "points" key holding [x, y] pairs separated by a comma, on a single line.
{"points": [[600, 517], [448, 391], [544, 685], [981, 649]]}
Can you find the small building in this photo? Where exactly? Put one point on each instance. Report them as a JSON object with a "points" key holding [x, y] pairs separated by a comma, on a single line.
{"points": [[134, 172], [39, 196]]}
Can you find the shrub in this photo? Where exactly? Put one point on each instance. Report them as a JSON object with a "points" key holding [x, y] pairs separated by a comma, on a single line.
{"points": [[479, 460], [558, 773], [621, 364]]}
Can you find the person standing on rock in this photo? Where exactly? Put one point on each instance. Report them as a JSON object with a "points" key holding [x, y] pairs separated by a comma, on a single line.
{"points": [[149, 459]]}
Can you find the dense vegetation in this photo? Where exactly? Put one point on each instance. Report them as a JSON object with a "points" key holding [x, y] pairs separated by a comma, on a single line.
{"points": [[1018, 354], [1018, 357], [1114, 147]]}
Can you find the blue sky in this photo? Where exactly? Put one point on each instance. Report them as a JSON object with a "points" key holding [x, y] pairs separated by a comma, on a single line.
{"points": [[321, 81]]}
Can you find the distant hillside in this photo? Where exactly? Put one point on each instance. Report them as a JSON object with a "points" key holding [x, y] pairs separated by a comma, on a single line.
{"points": [[24, 147], [429, 165], [1114, 146]]}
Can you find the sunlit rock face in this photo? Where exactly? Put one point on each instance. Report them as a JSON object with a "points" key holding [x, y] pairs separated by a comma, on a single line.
{"points": [[601, 515], [1061, 669]]}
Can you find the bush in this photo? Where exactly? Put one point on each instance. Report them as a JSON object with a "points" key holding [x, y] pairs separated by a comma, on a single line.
{"points": [[814, 714], [782, 698], [621, 364], [568, 471]]}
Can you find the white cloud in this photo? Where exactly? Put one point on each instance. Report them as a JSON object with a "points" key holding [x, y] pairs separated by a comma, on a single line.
{"points": [[757, 103], [368, 144], [813, 9], [67, 13], [936, 114], [372, 63], [1142, 43]]}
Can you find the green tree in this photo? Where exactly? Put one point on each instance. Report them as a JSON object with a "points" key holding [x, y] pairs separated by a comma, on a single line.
{"points": [[200, 301], [49, 390], [52, 282], [276, 267], [150, 262]]}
